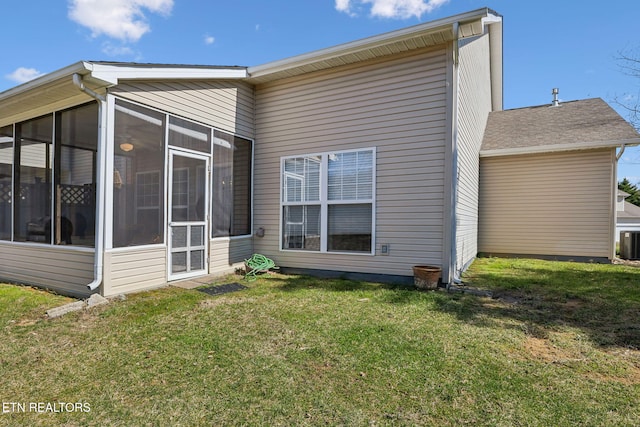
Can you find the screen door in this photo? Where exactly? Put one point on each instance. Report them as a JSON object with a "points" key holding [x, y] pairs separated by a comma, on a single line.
{"points": [[188, 243]]}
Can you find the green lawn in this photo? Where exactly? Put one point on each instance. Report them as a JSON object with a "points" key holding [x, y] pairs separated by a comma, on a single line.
{"points": [[559, 344]]}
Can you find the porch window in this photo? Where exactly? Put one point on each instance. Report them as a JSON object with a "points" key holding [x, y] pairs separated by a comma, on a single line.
{"points": [[34, 161], [328, 202], [75, 175], [48, 178], [6, 172], [138, 180], [231, 185]]}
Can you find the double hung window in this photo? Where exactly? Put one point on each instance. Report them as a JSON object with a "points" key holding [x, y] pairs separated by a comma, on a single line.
{"points": [[328, 202]]}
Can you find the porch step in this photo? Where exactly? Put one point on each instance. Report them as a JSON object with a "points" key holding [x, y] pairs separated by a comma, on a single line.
{"points": [[195, 282]]}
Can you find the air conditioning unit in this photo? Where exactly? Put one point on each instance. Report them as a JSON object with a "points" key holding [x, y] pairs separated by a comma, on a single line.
{"points": [[630, 244]]}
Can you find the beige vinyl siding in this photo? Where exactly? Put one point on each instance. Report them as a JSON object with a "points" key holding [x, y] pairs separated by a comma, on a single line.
{"points": [[224, 104], [396, 105], [134, 270], [474, 106], [227, 254], [548, 204], [67, 271]]}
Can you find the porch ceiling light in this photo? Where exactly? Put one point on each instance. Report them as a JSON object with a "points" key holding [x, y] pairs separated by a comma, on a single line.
{"points": [[126, 146]]}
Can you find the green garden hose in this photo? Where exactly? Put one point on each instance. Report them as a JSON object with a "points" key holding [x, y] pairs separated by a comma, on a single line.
{"points": [[258, 264]]}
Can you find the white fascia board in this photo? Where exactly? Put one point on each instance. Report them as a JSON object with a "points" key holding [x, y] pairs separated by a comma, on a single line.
{"points": [[490, 18], [556, 148], [370, 42], [78, 67], [114, 73]]}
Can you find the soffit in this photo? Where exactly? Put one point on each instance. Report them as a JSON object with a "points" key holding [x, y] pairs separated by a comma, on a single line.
{"points": [[41, 100], [417, 37]]}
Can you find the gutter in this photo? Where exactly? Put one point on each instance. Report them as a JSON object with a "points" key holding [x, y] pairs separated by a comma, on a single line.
{"points": [[540, 149], [621, 152], [98, 264]]}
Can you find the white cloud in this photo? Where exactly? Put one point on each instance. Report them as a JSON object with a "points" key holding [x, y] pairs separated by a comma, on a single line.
{"points": [[113, 50], [401, 9], [209, 40], [120, 19], [22, 75], [344, 6]]}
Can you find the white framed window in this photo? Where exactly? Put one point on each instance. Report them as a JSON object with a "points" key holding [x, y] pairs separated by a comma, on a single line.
{"points": [[180, 195], [147, 198], [328, 202]]}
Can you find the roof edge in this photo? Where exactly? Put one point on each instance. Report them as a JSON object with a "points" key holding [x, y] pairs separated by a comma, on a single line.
{"points": [[110, 74], [368, 42], [80, 67], [541, 149], [113, 72]]}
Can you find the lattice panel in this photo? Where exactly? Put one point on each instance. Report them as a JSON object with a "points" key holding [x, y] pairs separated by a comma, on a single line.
{"points": [[78, 195], [5, 193]]}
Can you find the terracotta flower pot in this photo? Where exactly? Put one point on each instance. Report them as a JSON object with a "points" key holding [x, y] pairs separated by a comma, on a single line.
{"points": [[426, 276]]}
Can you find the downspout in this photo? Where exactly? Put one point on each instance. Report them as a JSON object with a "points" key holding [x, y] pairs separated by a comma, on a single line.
{"points": [[98, 265], [614, 203], [454, 275]]}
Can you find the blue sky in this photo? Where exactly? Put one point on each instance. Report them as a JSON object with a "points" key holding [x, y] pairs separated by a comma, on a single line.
{"points": [[572, 45]]}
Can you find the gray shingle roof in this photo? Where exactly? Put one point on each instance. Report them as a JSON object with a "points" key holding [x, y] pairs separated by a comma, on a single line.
{"points": [[588, 123], [630, 211]]}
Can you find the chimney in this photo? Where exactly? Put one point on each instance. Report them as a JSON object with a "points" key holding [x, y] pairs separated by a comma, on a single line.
{"points": [[555, 102]]}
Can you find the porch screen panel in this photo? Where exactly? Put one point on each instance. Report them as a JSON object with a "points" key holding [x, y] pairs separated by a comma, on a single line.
{"points": [[34, 144], [231, 186], [242, 158], [138, 181], [189, 135], [6, 173], [222, 185], [75, 186]]}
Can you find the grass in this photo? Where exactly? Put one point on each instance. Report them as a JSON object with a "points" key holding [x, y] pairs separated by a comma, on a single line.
{"points": [[559, 344]]}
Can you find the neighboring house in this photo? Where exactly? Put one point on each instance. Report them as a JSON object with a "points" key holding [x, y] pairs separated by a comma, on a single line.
{"points": [[548, 180], [359, 159], [628, 215]]}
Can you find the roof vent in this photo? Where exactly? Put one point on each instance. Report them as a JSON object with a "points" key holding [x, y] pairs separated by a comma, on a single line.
{"points": [[555, 102]]}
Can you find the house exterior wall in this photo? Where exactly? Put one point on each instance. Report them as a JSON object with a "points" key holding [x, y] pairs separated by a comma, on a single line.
{"points": [[396, 105], [228, 253], [558, 204], [65, 270], [224, 104], [474, 106]]}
